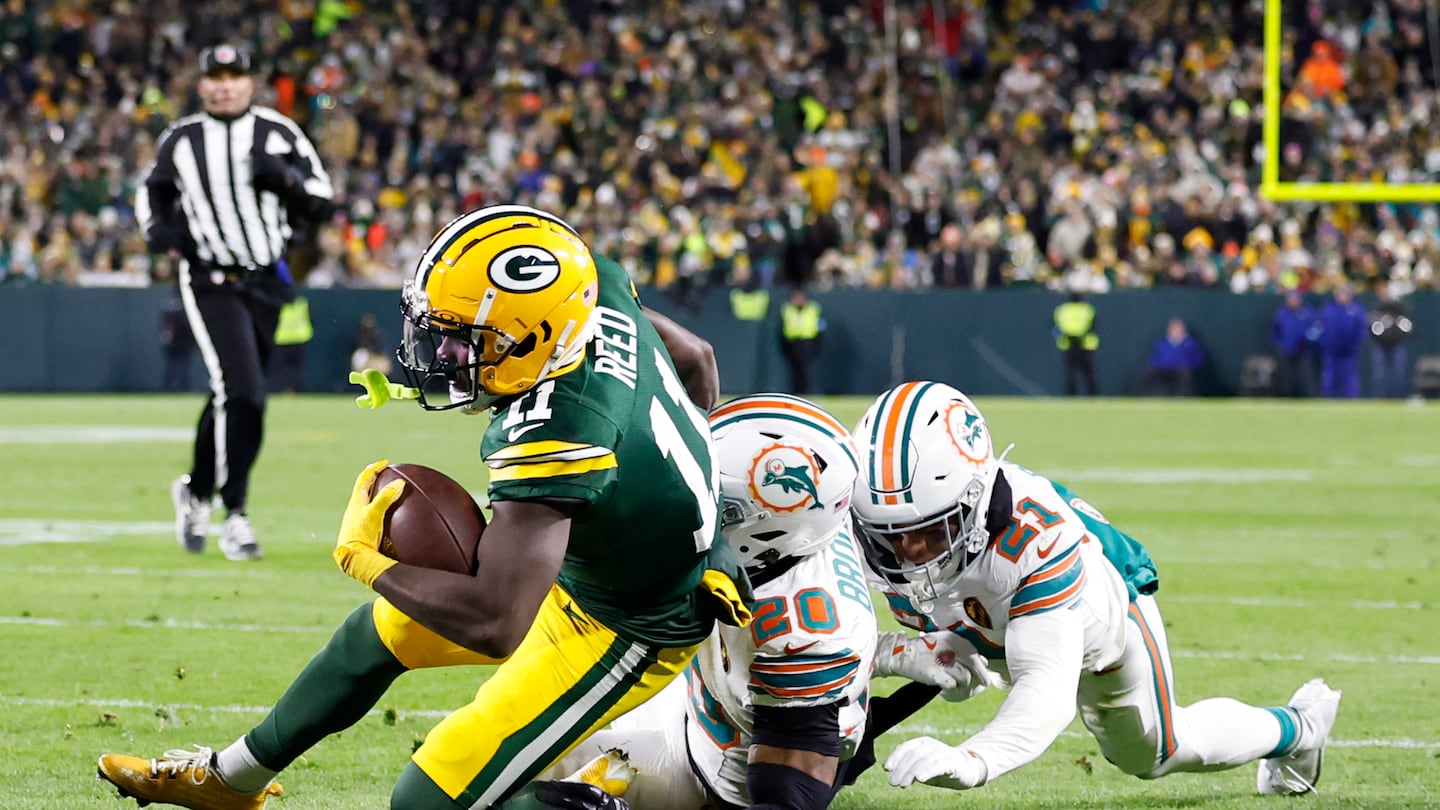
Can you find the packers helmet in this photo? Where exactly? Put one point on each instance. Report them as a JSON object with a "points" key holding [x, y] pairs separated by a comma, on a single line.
{"points": [[502, 299]]}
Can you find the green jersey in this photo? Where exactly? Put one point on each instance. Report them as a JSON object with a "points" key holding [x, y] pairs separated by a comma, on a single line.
{"points": [[620, 434]]}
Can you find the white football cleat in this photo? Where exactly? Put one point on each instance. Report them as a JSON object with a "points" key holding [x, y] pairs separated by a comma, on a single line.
{"points": [[1298, 772], [192, 516], [237, 539]]}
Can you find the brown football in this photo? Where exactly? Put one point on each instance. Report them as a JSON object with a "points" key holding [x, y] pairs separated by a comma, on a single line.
{"points": [[434, 524]]}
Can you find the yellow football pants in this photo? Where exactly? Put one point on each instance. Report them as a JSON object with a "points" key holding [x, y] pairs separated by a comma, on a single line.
{"points": [[570, 676]]}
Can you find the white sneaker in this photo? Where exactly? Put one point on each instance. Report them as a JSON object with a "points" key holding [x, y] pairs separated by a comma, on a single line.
{"points": [[192, 516], [1298, 771], [237, 539]]}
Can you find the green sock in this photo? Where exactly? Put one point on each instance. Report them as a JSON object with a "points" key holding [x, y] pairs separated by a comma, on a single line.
{"points": [[523, 799], [339, 685]]}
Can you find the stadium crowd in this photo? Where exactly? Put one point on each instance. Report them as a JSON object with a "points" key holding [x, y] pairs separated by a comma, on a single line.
{"points": [[1085, 146]]}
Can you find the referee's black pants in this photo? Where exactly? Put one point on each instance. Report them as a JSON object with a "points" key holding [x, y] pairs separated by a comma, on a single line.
{"points": [[233, 318]]}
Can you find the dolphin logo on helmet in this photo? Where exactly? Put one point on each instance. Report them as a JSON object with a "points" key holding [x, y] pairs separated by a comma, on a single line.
{"points": [[789, 478]]}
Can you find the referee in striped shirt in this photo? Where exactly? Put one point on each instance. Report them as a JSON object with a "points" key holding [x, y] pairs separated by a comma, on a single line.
{"points": [[220, 198]]}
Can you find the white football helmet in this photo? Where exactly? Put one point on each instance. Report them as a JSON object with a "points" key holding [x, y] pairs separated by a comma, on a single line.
{"points": [[787, 470], [926, 462]]}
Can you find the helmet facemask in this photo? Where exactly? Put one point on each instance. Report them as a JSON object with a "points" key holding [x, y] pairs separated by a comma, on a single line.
{"points": [[448, 376], [738, 514], [963, 533], [929, 474]]}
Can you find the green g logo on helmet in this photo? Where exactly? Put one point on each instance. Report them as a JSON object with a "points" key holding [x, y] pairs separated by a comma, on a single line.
{"points": [[526, 268]]}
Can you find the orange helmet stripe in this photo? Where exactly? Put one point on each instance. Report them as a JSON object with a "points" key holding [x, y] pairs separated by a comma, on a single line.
{"points": [[888, 452], [777, 403]]}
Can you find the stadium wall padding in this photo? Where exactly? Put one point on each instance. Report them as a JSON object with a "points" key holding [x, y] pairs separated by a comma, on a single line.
{"points": [[66, 339]]}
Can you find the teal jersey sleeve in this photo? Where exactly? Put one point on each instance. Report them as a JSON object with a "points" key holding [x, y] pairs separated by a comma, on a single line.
{"points": [[1123, 551]]}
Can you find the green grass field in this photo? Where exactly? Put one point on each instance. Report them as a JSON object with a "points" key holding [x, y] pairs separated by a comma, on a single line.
{"points": [[1293, 540]]}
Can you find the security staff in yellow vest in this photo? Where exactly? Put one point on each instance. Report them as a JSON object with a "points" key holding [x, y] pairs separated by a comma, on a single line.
{"points": [[1075, 335], [801, 326], [749, 303], [292, 333]]}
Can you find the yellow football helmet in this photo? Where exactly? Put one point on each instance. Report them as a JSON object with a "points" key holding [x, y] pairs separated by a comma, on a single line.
{"points": [[502, 299]]}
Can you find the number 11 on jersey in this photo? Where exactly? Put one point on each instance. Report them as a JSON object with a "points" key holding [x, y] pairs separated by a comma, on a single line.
{"points": [[678, 451]]}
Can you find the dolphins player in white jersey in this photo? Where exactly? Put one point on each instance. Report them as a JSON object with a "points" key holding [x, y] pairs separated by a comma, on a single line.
{"points": [[767, 716], [1057, 599]]}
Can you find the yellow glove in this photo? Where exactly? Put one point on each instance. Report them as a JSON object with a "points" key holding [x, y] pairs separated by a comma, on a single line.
{"points": [[357, 552]]}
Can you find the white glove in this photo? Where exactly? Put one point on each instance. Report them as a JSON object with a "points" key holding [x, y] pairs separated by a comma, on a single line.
{"points": [[927, 760], [940, 658]]}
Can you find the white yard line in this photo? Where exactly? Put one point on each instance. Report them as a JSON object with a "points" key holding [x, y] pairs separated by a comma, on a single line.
{"points": [[125, 703], [176, 624], [1399, 563], [93, 434], [1266, 601], [233, 572], [908, 728], [228, 572], [165, 624], [1177, 475], [1401, 743], [32, 531]]}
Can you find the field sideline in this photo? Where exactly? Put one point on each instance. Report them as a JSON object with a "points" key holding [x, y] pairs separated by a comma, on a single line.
{"points": [[1293, 539]]}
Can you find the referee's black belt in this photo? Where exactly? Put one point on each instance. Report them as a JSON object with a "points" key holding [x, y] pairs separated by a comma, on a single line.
{"points": [[235, 272]]}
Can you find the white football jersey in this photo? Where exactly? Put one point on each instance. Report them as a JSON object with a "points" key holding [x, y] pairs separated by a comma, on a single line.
{"points": [[812, 643], [1048, 559]]}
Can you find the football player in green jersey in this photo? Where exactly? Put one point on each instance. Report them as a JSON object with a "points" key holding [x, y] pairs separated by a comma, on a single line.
{"points": [[598, 456]]}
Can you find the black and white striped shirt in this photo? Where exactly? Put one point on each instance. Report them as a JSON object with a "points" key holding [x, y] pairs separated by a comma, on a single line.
{"points": [[201, 181]]}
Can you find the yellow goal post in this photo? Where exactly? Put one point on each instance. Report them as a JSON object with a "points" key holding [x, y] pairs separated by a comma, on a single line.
{"points": [[1270, 185]]}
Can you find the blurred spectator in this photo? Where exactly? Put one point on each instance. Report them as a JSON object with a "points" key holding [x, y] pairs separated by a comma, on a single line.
{"points": [[367, 347], [293, 332], [177, 343], [801, 328], [1115, 141], [1076, 337], [1390, 325], [750, 302], [1293, 333], [1322, 75], [947, 266], [1173, 361], [1343, 326]]}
